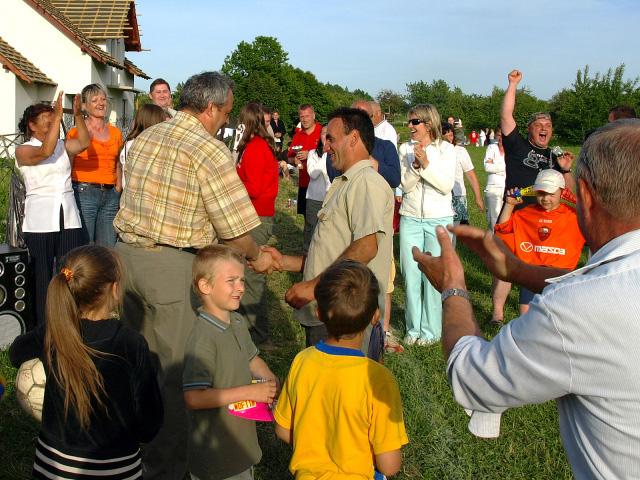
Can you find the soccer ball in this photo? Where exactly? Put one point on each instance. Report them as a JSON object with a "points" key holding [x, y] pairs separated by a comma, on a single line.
{"points": [[30, 382]]}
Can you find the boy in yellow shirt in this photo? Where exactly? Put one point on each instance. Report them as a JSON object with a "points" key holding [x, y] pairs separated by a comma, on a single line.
{"points": [[340, 410]]}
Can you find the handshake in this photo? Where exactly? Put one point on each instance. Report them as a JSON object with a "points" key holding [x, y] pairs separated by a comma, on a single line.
{"points": [[269, 259]]}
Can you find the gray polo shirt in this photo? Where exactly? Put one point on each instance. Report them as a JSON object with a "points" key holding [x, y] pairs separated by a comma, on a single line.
{"points": [[358, 203], [217, 355]]}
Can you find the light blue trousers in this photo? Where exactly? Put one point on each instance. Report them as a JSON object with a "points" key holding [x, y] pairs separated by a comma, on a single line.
{"points": [[423, 308]]}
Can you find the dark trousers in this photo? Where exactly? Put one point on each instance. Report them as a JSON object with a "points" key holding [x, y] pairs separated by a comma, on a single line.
{"points": [[46, 250]]}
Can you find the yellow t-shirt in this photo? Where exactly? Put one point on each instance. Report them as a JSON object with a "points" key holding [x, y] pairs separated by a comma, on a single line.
{"points": [[343, 409]]}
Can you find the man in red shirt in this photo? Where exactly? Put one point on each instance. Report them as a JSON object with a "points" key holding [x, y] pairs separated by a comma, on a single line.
{"points": [[304, 140]]}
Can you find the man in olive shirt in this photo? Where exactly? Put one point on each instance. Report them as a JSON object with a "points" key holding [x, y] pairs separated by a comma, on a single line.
{"points": [[355, 222]]}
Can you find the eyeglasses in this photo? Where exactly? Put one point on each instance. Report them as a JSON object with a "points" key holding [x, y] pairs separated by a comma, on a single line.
{"points": [[415, 121]]}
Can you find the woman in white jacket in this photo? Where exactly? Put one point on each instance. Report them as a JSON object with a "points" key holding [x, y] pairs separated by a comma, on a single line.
{"points": [[427, 167]]}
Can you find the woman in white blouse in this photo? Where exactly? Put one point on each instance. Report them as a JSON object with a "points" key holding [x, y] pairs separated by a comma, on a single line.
{"points": [[494, 191], [319, 184], [51, 223], [427, 167]]}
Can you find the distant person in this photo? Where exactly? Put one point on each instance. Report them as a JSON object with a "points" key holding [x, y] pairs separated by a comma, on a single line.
{"points": [[51, 224], [496, 169], [160, 94], [101, 395], [319, 184], [146, 116], [482, 138], [473, 138], [464, 168], [222, 367], [267, 122], [550, 227], [458, 132], [341, 411], [304, 140], [279, 130], [96, 171], [382, 128], [258, 169], [621, 111]]}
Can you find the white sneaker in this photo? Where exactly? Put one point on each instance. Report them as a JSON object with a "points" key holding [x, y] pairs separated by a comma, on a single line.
{"points": [[409, 340], [391, 343]]}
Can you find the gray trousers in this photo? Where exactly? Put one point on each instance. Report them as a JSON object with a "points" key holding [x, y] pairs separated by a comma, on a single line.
{"points": [[160, 304], [252, 305]]}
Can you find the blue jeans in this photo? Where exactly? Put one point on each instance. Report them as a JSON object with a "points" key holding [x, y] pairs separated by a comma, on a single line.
{"points": [[98, 207], [423, 308]]}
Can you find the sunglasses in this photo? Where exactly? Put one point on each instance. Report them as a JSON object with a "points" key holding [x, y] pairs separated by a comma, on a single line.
{"points": [[415, 121]]}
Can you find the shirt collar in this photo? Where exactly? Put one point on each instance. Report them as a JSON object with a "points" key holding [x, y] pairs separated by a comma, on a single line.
{"points": [[356, 167], [341, 351], [614, 249], [206, 316]]}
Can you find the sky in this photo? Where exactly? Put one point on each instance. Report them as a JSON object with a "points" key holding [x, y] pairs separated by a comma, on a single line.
{"points": [[376, 44]]}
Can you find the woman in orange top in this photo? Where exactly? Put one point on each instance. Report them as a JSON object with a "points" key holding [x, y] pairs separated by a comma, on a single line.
{"points": [[95, 173]]}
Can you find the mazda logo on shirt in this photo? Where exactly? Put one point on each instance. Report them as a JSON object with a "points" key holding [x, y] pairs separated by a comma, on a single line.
{"points": [[526, 247]]}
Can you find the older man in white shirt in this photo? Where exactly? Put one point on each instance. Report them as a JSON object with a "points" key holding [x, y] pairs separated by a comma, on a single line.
{"points": [[381, 127], [578, 343]]}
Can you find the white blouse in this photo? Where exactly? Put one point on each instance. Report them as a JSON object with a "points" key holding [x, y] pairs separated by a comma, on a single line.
{"points": [[48, 186], [319, 182]]}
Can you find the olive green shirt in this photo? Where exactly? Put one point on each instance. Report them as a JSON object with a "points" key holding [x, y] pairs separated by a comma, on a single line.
{"points": [[217, 355], [358, 203]]}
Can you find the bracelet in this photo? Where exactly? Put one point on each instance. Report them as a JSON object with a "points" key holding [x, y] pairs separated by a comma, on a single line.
{"points": [[455, 292]]}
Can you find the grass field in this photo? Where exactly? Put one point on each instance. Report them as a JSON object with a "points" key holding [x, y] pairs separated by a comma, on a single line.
{"points": [[440, 445]]}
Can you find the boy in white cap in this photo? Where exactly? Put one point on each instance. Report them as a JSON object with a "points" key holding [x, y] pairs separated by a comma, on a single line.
{"points": [[546, 233]]}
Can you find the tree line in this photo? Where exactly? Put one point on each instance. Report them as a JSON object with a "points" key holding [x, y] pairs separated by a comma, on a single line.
{"points": [[262, 72]]}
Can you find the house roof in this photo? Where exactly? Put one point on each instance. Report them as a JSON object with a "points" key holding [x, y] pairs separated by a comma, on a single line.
{"points": [[103, 19], [12, 60], [59, 20], [134, 70]]}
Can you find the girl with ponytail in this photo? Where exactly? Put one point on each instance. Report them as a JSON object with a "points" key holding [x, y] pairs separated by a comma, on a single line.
{"points": [[101, 397]]}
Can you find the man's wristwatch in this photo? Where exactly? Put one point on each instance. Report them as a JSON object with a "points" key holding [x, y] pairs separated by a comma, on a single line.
{"points": [[455, 292]]}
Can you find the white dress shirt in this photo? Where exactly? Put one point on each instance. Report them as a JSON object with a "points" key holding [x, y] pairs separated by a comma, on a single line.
{"points": [[386, 131], [578, 344]]}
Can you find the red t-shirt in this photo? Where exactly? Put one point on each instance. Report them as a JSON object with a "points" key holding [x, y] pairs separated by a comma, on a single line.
{"points": [[551, 239], [308, 141], [258, 170]]}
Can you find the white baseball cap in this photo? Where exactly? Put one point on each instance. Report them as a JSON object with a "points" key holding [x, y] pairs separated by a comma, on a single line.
{"points": [[549, 181]]}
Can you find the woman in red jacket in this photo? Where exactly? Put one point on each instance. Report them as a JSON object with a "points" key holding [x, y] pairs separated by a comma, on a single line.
{"points": [[258, 170]]}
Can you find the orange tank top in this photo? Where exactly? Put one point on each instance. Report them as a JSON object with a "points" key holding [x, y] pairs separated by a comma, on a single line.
{"points": [[97, 164]]}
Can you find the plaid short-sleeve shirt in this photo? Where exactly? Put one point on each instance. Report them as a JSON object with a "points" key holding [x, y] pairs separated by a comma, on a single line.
{"points": [[182, 189]]}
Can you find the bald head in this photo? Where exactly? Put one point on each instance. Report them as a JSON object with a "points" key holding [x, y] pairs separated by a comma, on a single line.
{"points": [[363, 105]]}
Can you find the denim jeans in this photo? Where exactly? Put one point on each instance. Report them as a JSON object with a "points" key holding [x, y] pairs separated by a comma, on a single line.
{"points": [[98, 207]]}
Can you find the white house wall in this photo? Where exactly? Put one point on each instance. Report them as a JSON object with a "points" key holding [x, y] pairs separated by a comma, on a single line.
{"points": [[57, 57]]}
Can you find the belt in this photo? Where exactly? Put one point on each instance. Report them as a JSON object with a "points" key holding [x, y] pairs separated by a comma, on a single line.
{"points": [[182, 249], [101, 186]]}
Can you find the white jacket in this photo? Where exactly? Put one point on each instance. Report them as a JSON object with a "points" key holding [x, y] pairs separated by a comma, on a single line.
{"points": [[426, 192]]}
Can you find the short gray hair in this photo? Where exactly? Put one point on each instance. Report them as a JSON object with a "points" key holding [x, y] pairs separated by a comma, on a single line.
{"points": [[609, 163], [204, 88]]}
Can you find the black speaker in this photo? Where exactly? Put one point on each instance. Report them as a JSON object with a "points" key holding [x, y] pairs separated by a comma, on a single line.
{"points": [[16, 293]]}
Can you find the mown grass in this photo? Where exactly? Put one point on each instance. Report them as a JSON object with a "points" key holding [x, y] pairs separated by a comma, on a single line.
{"points": [[440, 444]]}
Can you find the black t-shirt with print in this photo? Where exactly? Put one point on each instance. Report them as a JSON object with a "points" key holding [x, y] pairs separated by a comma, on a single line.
{"points": [[524, 161]]}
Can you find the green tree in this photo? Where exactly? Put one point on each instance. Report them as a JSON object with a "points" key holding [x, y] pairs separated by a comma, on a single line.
{"points": [[585, 106], [391, 103]]}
